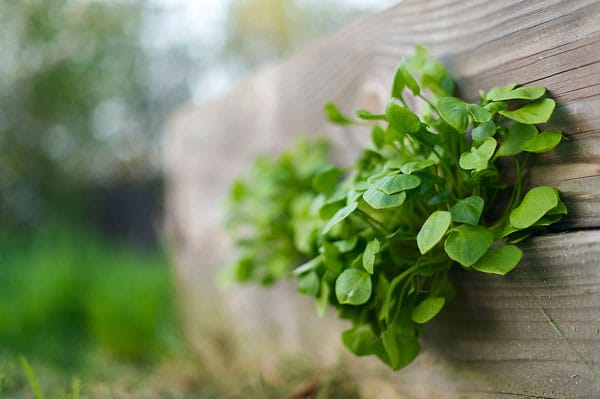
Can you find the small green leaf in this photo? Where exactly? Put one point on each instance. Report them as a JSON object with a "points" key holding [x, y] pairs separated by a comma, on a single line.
{"points": [[454, 112], [433, 230], [478, 157], [435, 78], [395, 183], [360, 340], [309, 284], [334, 115], [483, 131], [371, 250], [377, 199], [403, 79], [323, 298], [536, 203], [402, 119], [377, 136], [496, 107], [543, 142], [368, 116], [346, 245], [401, 347], [467, 210], [560, 209], [329, 208], [325, 181], [521, 93], [536, 112], [515, 136], [498, 92], [427, 309], [339, 216], [415, 166], [331, 257], [308, 266], [353, 287], [478, 113], [499, 260], [466, 244]]}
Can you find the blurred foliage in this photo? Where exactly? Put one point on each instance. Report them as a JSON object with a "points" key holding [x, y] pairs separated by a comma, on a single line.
{"points": [[66, 291], [76, 106], [263, 30]]}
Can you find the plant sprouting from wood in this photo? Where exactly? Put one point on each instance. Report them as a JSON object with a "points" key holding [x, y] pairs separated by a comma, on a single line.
{"points": [[380, 239]]}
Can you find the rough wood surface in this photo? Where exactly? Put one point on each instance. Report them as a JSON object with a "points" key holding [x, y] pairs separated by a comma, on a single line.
{"points": [[535, 333]]}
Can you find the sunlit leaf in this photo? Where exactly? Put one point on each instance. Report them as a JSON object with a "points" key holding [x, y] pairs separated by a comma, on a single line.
{"points": [[536, 203], [377, 199], [543, 142], [433, 230], [454, 112], [499, 260], [478, 157], [537, 112]]}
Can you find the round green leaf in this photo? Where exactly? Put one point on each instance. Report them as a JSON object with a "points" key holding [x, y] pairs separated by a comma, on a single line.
{"points": [[478, 157], [537, 202], [368, 259], [427, 309], [499, 260], [537, 112], [353, 287], [433, 230], [402, 119], [543, 142], [515, 136], [454, 112], [377, 199], [395, 183], [339, 216], [467, 210], [466, 244]]}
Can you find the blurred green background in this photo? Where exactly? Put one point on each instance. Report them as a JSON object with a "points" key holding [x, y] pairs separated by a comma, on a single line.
{"points": [[85, 89]]}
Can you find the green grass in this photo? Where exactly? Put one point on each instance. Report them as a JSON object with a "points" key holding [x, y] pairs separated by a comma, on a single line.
{"points": [[84, 317], [66, 292]]}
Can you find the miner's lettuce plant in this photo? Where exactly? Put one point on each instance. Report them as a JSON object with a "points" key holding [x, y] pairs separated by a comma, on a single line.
{"points": [[379, 239]]}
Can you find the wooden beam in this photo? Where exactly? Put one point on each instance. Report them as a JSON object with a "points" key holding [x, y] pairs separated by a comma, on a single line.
{"points": [[532, 333]]}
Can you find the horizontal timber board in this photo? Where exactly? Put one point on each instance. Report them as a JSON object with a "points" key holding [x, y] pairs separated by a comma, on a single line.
{"points": [[532, 333]]}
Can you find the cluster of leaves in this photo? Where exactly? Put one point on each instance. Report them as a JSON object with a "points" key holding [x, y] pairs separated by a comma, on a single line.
{"points": [[267, 214], [381, 238]]}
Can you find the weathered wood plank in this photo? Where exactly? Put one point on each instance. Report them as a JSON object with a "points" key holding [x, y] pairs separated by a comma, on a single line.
{"points": [[501, 338]]}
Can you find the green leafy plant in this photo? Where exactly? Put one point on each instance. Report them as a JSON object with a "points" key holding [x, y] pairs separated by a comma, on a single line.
{"points": [[381, 238]]}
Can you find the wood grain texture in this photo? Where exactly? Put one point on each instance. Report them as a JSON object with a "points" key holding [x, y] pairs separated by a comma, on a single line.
{"points": [[504, 340]]}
